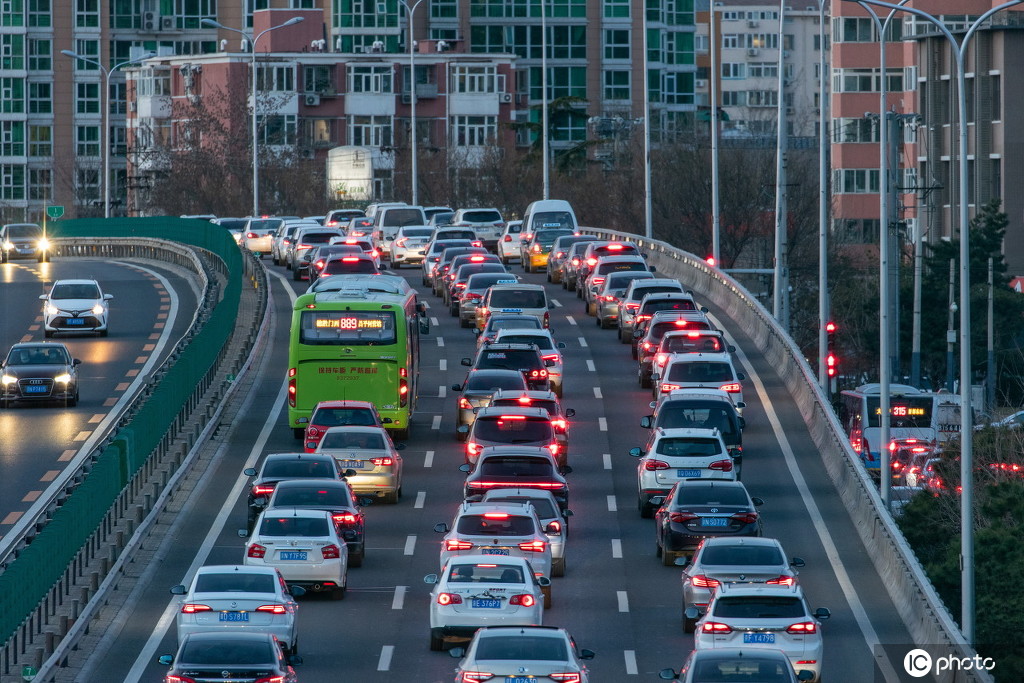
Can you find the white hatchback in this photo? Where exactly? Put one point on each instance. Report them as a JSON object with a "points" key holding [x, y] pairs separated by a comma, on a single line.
{"points": [[75, 306], [303, 545]]}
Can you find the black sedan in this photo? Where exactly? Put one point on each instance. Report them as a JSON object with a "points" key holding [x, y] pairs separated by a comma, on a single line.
{"points": [[696, 509], [39, 371], [278, 467], [502, 467], [335, 497], [221, 655]]}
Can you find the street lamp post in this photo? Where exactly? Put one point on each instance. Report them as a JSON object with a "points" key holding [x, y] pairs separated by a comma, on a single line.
{"points": [[824, 304], [716, 206], [648, 209], [410, 10], [105, 103], [255, 133], [967, 616], [545, 143], [780, 294]]}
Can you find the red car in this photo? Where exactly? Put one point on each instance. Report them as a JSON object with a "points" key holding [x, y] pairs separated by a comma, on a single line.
{"points": [[339, 413]]}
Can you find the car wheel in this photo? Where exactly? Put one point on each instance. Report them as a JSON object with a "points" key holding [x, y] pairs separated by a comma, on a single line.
{"points": [[339, 593], [646, 511], [47, 334], [105, 332], [72, 402], [598, 321], [402, 434], [546, 591], [657, 547], [294, 649], [454, 310], [622, 336], [633, 351], [3, 257], [668, 558], [460, 437], [356, 559], [296, 275], [558, 566], [645, 380], [436, 642], [391, 498], [689, 625], [464, 323]]}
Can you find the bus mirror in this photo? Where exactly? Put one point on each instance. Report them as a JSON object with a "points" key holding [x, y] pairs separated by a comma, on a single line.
{"points": [[456, 387], [645, 421], [424, 326]]}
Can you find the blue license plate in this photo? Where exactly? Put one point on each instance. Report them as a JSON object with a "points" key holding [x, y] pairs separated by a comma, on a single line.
{"points": [[75, 321], [293, 555], [494, 551], [519, 679], [234, 616], [714, 521], [36, 389], [759, 638], [688, 474], [486, 604]]}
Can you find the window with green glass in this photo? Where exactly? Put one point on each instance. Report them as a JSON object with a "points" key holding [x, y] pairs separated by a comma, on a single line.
{"points": [[12, 138], [125, 13], [679, 88], [40, 55], [190, 13], [616, 9], [364, 14], [40, 98], [563, 81], [40, 183], [39, 13], [90, 49], [87, 98], [616, 44], [679, 48], [12, 95], [87, 141], [444, 9], [278, 129], [87, 13], [12, 13], [12, 182], [303, 4], [561, 8], [654, 45], [568, 42], [616, 85], [12, 51], [568, 128]]}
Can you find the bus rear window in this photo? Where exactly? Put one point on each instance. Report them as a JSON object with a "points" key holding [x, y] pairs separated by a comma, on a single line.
{"points": [[348, 327], [518, 298]]}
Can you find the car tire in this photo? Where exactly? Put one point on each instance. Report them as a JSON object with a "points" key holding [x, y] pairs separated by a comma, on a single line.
{"points": [[436, 642], [668, 558], [633, 351], [298, 434], [645, 380], [557, 390], [461, 438], [3, 257], [105, 332], [645, 509], [546, 591], [339, 593], [558, 566], [454, 310], [464, 323], [47, 334], [356, 559], [296, 275], [72, 402], [622, 336], [689, 625], [402, 434], [390, 498]]}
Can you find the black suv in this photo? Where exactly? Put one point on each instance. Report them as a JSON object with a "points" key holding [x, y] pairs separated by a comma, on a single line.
{"points": [[526, 358]]}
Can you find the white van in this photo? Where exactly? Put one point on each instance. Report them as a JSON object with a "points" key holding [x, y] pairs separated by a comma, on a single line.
{"points": [[549, 213], [388, 219]]}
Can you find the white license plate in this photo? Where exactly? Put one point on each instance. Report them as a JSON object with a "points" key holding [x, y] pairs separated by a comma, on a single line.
{"points": [[486, 604], [688, 474], [293, 555], [234, 616], [759, 638], [714, 521], [494, 551]]}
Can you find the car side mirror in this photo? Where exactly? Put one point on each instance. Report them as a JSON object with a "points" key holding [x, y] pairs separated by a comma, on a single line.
{"points": [[463, 429], [363, 501], [740, 376], [741, 404], [441, 527], [565, 469], [178, 590], [543, 581], [646, 421], [822, 613], [399, 446], [652, 269], [587, 654], [465, 467], [424, 326], [456, 652], [468, 362], [797, 562], [294, 660], [704, 309], [805, 675], [730, 348], [682, 561], [655, 376], [560, 345], [692, 613], [389, 237], [635, 452], [456, 387], [165, 660], [76, 361], [43, 297], [108, 297], [305, 420], [551, 305], [249, 471], [758, 502], [566, 513], [349, 473], [668, 675], [243, 533], [743, 423], [476, 332], [570, 412], [296, 591], [657, 501], [430, 579]]}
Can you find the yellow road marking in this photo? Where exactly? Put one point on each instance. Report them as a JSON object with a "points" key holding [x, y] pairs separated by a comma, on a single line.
{"points": [[109, 402], [11, 517], [66, 455], [123, 386], [82, 436], [149, 347], [98, 417], [31, 496], [26, 338], [132, 373], [50, 475]]}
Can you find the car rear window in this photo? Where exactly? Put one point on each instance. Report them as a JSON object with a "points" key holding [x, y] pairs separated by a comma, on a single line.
{"points": [[510, 359], [509, 381], [516, 466], [225, 653], [235, 582], [708, 494], [495, 524], [741, 555], [700, 371], [468, 269], [544, 507], [686, 446], [395, 217], [486, 573], [669, 305], [751, 667], [528, 322], [306, 527], [359, 440], [704, 414], [297, 468], [512, 429], [359, 266], [518, 298], [660, 329], [291, 496], [265, 224], [481, 216], [318, 237], [620, 266], [80, 291], [682, 343], [522, 648], [640, 292], [335, 417], [417, 232], [759, 607], [541, 341]]}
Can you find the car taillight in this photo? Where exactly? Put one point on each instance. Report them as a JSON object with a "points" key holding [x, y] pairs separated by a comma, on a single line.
{"points": [[554, 448], [566, 677], [455, 544], [715, 627], [782, 581], [551, 356], [560, 425], [474, 677], [401, 241], [721, 465], [192, 608], [660, 359], [250, 235], [597, 281], [575, 261], [646, 346], [533, 546], [609, 297], [464, 404], [702, 581], [553, 527], [312, 432], [270, 679], [631, 306], [386, 461], [292, 387], [682, 517], [260, 490], [745, 517], [732, 387], [449, 599], [476, 243], [536, 249], [272, 609], [547, 319], [655, 465], [256, 550], [345, 518], [666, 387], [559, 254], [331, 552], [472, 448], [538, 374], [460, 285], [403, 392], [591, 261], [803, 627], [523, 600], [303, 246], [319, 264], [178, 679], [471, 296]]}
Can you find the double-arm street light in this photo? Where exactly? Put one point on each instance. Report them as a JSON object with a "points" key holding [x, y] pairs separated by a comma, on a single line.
{"points": [[105, 103], [545, 142], [413, 147], [255, 133]]}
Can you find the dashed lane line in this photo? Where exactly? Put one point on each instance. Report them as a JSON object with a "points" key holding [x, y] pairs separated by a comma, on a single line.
{"points": [[623, 600], [617, 548], [428, 460], [421, 498], [607, 458], [613, 506], [410, 545], [398, 601]]}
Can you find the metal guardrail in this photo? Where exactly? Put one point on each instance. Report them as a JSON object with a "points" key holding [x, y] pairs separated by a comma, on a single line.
{"points": [[926, 617]]}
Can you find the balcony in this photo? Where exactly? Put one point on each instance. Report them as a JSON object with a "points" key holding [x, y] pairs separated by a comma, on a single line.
{"points": [[424, 91]]}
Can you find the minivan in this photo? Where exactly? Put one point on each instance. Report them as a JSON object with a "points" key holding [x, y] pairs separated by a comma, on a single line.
{"points": [[549, 213], [388, 219]]}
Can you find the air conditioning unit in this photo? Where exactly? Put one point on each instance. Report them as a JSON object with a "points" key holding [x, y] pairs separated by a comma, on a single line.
{"points": [[505, 97], [312, 100], [752, 24], [702, 83], [133, 106], [168, 23], [150, 21], [752, 51]]}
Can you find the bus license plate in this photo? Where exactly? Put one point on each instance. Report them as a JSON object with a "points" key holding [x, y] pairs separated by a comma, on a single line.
{"points": [[488, 604], [234, 616], [688, 474], [714, 521], [75, 321], [293, 555], [354, 464], [494, 551], [759, 638]]}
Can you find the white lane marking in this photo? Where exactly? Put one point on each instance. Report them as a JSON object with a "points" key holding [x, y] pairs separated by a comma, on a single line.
{"points": [[617, 548], [206, 547], [583, 342], [443, 364], [612, 505], [433, 322], [440, 341], [442, 391], [590, 366], [607, 458], [436, 423], [410, 545], [421, 497], [570, 319], [630, 656], [556, 303], [398, 601], [820, 528], [597, 392], [384, 663], [602, 424], [623, 600], [428, 461]]}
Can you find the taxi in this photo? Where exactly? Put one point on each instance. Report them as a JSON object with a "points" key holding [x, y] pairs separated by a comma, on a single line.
{"points": [[534, 252], [519, 299]]}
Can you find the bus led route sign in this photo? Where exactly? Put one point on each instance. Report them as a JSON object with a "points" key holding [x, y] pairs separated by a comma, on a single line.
{"points": [[349, 323]]}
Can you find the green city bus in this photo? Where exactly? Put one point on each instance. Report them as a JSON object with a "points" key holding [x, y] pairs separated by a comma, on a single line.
{"points": [[355, 344]]}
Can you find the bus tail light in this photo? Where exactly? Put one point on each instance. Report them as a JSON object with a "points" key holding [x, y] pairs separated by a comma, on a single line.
{"points": [[292, 387], [403, 392]]}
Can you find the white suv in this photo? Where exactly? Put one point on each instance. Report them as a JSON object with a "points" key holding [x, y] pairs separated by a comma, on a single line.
{"points": [[676, 454], [699, 370], [487, 223]]}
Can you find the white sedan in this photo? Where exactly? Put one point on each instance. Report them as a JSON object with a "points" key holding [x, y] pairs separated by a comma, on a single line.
{"points": [[75, 306], [483, 590], [236, 597]]}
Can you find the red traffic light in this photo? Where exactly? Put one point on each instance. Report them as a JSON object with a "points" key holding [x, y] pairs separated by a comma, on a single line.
{"points": [[710, 260], [830, 327], [832, 364]]}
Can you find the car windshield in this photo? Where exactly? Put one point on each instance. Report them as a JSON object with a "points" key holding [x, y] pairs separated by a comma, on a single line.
{"points": [[512, 429], [541, 341], [553, 219], [235, 582], [741, 555], [700, 371], [687, 446], [481, 216], [226, 652], [334, 417], [24, 231], [297, 468], [307, 527], [485, 573], [759, 607], [493, 383], [515, 466], [707, 494], [297, 496], [37, 355], [495, 524], [522, 648], [509, 359], [518, 298], [395, 217], [365, 440], [75, 291], [265, 224]]}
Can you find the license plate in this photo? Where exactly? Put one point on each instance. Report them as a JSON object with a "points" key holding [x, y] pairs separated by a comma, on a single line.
{"points": [[75, 321], [487, 604], [234, 616], [519, 679], [354, 464], [511, 310], [759, 638], [494, 551], [40, 389], [714, 521], [688, 474], [293, 555]]}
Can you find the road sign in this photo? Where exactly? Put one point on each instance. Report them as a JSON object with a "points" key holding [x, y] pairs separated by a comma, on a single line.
{"points": [[28, 673], [54, 212]]}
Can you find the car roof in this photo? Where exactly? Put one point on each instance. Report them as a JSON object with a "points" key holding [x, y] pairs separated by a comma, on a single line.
{"points": [[740, 540], [479, 507], [532, 394], [296, 456], [344, 403], [741, 589], [688, 431], [75, 281], [699, 357], [348, 429], [526, 411], [240, 568], [532, 630], [518, 450]]}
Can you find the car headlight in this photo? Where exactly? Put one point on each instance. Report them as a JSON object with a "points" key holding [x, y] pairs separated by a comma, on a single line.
{"points": [[63, 378], [44, 244], [51, 309], [8, 245], [9, 379], [98, 309]]}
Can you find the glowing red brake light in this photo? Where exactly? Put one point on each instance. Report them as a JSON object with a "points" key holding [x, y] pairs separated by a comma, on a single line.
{"points": [[256, 550], [386, 461], [272, 609], [732, 387], [495, 515], [702, 581], [666, 387], [464, 403], [615, 247], [344, 518], [782, 581], [260, 490], [512, 417], [803, 627], [331, 552], [523, 600], [455, 544], [682, 323], [449, 599], [551, 356], [533, 546], [477, 259], [715, 627], [192, 608], [655, 465], [350, 259]]}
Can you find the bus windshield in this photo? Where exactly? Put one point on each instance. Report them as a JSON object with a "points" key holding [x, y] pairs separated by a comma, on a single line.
{"points": [[905, 411], [347, 327]]}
